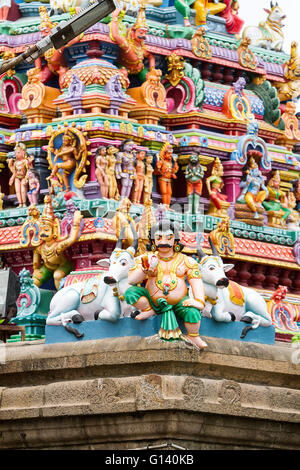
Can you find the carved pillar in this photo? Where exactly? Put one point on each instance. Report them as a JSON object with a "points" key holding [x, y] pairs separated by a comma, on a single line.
{"points": [[232, 274], [205, 71], [284, 279], [258, 276], [296, 283], [244, 274], [228, 76], [232, 177], [272, 278], [217, 75]]}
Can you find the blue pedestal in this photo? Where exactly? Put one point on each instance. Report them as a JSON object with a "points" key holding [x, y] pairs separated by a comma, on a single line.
{"points": [[101, 329]]}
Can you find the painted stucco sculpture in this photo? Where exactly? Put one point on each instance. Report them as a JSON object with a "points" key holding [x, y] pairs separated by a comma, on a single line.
{"points": [[166, 169], [132, 45], [48, 256], [19, 164], [254, 191], [100, 297], [218, 201], [166, 292], [268, 34], [194, 173], [70, 146], [227, 301], [276, 203]]}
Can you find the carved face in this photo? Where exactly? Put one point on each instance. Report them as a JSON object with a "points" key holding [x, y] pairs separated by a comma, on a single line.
{"points": [[149, 159], [140, 34], [168, 152], [67, 139], [129, 146], [141, 155], [19, 153], [46, 230], [194, 159], [164, 240], [111, 150]]}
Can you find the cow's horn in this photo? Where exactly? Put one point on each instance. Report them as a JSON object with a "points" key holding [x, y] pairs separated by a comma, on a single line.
{"points": [[120, 239], [135, 243], [213, 248], [271, 3], [200, 252]]}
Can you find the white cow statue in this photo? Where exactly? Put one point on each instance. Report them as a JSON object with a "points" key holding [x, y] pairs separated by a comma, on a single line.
{"points": [[227, 301], [268, 34], [96, 297]]}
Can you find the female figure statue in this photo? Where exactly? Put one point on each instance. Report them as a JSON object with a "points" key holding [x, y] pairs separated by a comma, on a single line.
{"points": [[140, 177], [101, 171], [113, 192], [19, 166], [148, 183]]}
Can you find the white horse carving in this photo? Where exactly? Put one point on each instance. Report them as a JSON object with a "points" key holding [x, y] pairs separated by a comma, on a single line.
{"points": [[268, 34]]}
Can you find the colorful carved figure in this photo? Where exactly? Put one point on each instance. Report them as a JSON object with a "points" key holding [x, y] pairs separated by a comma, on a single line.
{"points": [[268, 34], [227, 301], [132, 44], [125, 167], [140, 177], [236, 105], [202, 8], [33, 179], [148, 182], [19, 166], [73, 153], [48, 257], [218, 202], [166, 171], [276, 203], [123, 220], [56, 61], [194, 174], [254, 191], [100, 297], [290, 89], [113, 192], [166, 292], [293, 220], [101, 171], [68, 218], [233, 23]]}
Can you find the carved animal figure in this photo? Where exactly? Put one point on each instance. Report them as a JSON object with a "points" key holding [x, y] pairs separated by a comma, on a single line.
{"points": [[268, 34], [227, 301], [100, 297]]}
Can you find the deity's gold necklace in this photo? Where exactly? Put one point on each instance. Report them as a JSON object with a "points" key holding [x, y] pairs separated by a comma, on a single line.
{"points": [[167, 287]]}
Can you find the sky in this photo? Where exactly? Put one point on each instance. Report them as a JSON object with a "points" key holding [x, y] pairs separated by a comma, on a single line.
{"points": [[252, 11]]}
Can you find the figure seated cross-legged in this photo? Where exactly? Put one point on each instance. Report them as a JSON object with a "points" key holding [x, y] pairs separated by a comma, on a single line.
{"points": [[166, 292]]}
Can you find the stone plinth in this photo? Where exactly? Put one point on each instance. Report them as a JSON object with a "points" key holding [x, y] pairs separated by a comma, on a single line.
{"points": [[126, 393]]}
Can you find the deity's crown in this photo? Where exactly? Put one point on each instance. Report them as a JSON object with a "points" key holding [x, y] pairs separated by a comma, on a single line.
{"points": [[46, 22], [141, 21], [276, 176], [48, 213]]}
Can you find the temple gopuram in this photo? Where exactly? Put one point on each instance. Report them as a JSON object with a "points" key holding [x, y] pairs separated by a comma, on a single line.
{"points": [[149, 226]]}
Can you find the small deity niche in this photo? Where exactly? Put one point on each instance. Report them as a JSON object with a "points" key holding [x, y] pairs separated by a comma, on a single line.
{"points": [[249, 208]]}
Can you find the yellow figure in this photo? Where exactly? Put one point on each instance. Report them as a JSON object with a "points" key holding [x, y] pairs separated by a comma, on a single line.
{"points": [[202, 7], [48, 257]]}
